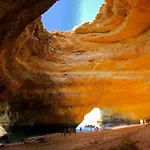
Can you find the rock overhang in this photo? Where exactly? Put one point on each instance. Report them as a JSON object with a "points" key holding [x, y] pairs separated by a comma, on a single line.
{"points": [[103, 63]]}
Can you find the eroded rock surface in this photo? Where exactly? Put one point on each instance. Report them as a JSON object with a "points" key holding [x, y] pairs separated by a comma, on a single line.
{"points": [[63, 75]]}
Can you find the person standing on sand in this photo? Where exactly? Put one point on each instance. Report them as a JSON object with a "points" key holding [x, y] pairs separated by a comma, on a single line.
{"points": [[69, 131], [22, 139], [80, 129], [65, 132], [74, 129]]}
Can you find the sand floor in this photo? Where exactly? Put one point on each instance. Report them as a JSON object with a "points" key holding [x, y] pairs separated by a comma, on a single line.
{"points": [[92, 140]]}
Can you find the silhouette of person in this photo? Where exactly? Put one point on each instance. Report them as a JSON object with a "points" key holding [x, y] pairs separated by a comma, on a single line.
{"points": [[80, 129]]}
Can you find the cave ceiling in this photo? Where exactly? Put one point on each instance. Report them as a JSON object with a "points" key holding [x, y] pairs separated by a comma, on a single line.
{"points": [[100, 63]]}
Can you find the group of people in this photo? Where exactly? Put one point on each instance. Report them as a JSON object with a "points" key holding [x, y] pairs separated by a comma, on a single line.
{"points": [[68, 131]]}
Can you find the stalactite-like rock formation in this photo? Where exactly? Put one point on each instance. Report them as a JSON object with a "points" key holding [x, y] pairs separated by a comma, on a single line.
{"points": [[63, 75]]}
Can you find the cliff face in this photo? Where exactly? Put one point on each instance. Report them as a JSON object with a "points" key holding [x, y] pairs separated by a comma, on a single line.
{"points": [[63, 75]]}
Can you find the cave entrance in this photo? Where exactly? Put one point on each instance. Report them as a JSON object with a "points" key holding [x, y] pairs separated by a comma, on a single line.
{"points": [[106, 118], [91, 121], [66, 14]]}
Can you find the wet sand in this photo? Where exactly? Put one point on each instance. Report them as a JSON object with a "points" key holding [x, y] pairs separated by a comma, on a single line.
{"points": [[92, 140]]}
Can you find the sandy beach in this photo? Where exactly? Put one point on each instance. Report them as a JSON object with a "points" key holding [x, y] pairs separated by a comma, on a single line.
{"points": [[92, 140]]}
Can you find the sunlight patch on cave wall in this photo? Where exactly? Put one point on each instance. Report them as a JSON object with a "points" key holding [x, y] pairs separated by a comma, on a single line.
{"points": [[66, 14]]}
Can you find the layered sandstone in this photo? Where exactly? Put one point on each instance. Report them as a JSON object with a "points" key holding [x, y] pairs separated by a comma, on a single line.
{"points": [[63, 75]]}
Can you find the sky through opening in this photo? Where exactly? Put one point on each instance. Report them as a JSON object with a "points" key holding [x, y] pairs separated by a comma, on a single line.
{"points": [[65, 14]]}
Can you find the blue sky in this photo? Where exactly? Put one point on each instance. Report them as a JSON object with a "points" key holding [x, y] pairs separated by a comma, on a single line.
{"points": [[66, 14]]}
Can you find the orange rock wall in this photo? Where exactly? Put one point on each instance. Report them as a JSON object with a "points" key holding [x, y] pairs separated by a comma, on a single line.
{"points": [[100, 63]]}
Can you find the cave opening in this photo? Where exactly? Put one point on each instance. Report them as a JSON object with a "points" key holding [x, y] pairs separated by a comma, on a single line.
{"points": [[105, 118], [91, 120], [64, 15]]}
